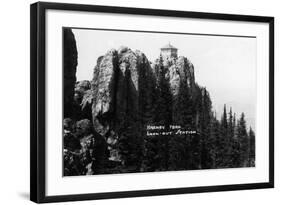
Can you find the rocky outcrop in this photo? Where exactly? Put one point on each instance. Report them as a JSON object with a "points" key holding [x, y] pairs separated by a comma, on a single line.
{"points": [[69, 67], [83, 128], [121, 78], [104, 91], [122, 88], [177, 70], [82, 86], [83, 98], [85, 151]]}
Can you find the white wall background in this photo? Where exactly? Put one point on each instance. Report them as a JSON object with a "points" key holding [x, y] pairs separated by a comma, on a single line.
{"points": [[14, 108]]}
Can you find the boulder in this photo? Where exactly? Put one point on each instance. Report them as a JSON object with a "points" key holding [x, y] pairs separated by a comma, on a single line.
{"points": [[69, 125], [83, 128]]}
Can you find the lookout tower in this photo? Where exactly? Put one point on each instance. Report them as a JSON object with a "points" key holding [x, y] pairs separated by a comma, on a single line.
{"points": [[169, 51]]}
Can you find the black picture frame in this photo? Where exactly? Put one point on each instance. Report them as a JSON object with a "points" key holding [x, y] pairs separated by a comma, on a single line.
{"points": [[38, 100]]}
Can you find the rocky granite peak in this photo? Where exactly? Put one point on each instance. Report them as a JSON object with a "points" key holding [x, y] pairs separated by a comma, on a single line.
{"points": [[177, 69], [119, 78]]}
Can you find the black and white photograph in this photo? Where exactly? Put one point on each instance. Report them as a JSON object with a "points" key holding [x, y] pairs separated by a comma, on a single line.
{"points": [[148, 101], [143, 101]]}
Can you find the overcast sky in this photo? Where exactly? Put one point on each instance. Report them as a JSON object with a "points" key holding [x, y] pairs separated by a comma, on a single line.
{"points": [[226, 66]]}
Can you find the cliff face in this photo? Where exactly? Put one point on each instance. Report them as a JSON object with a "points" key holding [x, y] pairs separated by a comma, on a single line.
{"points": [[69, 70], [121, 79], [104, 89]]}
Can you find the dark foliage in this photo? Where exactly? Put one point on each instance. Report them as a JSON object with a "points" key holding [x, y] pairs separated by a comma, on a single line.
{"points": [[69, 70]]}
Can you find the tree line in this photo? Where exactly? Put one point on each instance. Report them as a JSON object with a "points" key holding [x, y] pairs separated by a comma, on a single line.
{"points": [[219, 143]]}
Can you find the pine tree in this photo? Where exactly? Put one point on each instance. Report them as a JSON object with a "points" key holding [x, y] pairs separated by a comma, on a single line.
{"points": [[252, 147], [179, 153], [243, 141], [224, 123], [150, 151], [130, 141], [231, 124], [197, 95], [234, 125], [158, 145], [235, 147], [182, 106], [130, 144], [223, 142], [205, 130], [232, 143], [215, 143], [163, 109], [231, 128]]}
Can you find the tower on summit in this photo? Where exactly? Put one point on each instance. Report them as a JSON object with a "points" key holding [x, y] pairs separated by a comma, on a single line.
{"points": [[169, 51]]}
